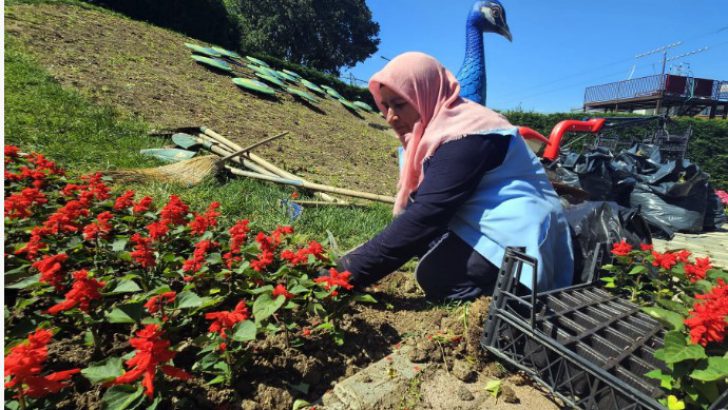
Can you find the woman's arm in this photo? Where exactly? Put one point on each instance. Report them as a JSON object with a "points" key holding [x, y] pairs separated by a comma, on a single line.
{"points": [[450, 177]]}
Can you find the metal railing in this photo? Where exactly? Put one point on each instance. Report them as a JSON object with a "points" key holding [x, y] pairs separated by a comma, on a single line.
{"points": [[653, 85]]}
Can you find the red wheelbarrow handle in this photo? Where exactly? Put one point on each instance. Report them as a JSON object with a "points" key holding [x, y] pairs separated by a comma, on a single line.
{"points": [[552, 148]]}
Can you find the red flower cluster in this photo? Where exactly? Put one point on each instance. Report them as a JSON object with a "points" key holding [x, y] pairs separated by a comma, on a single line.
{"points": [[18, 205], [143, 253], [646, 247], [25, 362], [664, 260], [83, 291], [621, 248], [65, 219], [50, 270], [175, 211], [697, 271], [200, 223], [225, 319], [34, 245], [280, 290], [125, 200], [100, 228], [268, 245], [94, 190], [199, 255], [238, 235], [300, 257], [40, 170], [151, 350], [335, 279], [708, 319], [143, 205], [157, 302]]}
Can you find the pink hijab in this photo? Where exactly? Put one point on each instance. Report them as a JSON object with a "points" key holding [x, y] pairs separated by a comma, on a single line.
{"points": [[444, 116]]}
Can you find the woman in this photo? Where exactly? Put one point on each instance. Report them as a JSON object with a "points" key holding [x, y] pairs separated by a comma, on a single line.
{"points": [[468, 188]]}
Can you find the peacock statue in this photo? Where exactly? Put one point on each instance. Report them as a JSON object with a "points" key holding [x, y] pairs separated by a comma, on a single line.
{"points": [[486, 16]]}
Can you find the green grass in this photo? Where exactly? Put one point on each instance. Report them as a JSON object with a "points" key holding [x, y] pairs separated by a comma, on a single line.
{"points": [[43, 116]]}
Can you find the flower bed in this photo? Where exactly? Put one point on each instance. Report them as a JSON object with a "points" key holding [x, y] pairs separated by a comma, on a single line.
{"points": [[690, 297], [150, 304]]}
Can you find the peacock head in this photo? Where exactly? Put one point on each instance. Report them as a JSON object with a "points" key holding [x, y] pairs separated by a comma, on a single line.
{"points": [[489, 16]]}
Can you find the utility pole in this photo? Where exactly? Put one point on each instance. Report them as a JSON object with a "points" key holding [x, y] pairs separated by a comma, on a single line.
{"points": [[662, 72]]}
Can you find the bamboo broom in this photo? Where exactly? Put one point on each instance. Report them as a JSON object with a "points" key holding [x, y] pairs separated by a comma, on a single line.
{"points": [[313, 186], [263, 163], [189, 172]]}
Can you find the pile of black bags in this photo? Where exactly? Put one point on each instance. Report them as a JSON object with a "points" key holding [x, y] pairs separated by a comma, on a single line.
{"points": [[672, 196]]}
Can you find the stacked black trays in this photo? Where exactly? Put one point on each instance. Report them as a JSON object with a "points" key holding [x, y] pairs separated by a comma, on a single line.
{"points": [[588, 347]]}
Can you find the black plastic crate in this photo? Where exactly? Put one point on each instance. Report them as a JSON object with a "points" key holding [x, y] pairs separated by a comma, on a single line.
{"points": [[589, 347]]}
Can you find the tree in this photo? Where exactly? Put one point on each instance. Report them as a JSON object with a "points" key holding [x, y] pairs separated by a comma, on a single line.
{"points": [[323, 34]]}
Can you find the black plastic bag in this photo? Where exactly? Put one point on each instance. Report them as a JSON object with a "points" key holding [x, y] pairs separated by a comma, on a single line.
{"points": [[714, 214], [589, 172], [595, 227]]}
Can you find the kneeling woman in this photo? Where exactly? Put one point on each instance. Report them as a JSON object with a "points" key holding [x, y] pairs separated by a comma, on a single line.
{"points": [[468, 187]]}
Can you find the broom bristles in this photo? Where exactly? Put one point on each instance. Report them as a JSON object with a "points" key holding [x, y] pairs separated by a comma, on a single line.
{"points": [[188, 172]]}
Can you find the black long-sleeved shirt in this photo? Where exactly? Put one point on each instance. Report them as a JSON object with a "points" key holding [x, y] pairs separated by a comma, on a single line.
{"points": [[451, 176]]}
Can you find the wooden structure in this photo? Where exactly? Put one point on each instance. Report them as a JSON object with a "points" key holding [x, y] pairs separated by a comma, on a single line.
{"points": [[713, 244], [663, 93]]}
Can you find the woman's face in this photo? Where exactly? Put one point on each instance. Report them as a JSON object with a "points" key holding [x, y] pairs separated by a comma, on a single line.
{"points": [[400, 114]]}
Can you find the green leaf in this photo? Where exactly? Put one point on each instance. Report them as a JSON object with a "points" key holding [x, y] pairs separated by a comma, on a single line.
{"points": [[262, 289], [130, 313], [217, 380], [717, 369], [126, 286], [188, 299], [674, 306], [667, 317], [298, 289], [30, 280], [264, 306], [244, 331], [665, 379], [637, 269], [494, 387], [673, 403], [104, 371], [119, 244], [365, 298], [300, 404], [677, 350], [715, 274], [155, 403], [121, 397]]}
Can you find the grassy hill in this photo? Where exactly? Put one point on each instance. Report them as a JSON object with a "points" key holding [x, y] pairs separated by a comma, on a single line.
{"points": [[145, 72]]}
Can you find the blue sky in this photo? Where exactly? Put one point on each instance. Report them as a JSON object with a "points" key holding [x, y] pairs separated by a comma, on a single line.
{"points": [[559, 46]]}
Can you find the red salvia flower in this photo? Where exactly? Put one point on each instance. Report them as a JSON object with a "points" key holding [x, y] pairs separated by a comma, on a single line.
{"points": [[83, 291], [199, 255], [646, 247], [34, 245], [200, 223], [151, 351], [143, 253], [157, 230], [11, 151], [18, 205], [238, 235], [126, 200], [225, 320], [175, 211], [280, 290], [24, 364], [697, 271], [50, 269], [300, 257], [265, 259], [683, 255], [335, 279], [143, 205], [65, 219], [156, 302], [665, 260], [708, 319], [621, 248], [100, 228]]}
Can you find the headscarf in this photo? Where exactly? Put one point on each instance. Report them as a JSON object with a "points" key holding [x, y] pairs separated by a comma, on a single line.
{"points": [[444, 116]]}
